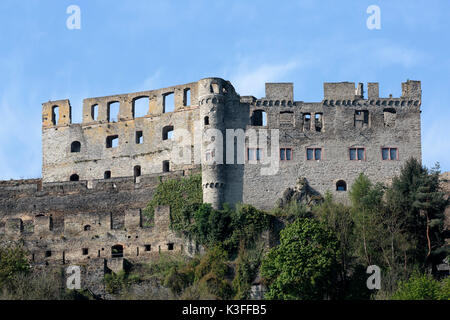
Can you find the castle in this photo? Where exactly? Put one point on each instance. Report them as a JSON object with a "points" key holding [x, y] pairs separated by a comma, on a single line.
{"points": [[97, 176]]}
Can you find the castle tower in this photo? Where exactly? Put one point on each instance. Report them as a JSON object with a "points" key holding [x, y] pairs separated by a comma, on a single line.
{"points": [[212, 101]]}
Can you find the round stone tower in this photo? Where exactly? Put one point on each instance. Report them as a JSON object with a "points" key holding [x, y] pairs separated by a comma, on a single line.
{"points": [[212, 93]]}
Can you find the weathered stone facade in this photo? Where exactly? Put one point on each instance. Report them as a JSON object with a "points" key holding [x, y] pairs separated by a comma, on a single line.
{"points": [[92, 190], [343, 123]]}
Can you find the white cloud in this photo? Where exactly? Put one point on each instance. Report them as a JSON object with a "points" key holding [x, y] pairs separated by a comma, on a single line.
{"points": [[248, 81]]}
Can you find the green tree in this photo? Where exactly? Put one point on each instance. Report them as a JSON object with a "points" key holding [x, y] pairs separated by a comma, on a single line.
{"points": [[303, 265], [416, 195], [13, 261], [367, 207], [338, 218]]}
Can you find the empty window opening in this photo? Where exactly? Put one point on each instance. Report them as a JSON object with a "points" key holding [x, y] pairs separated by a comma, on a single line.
{"points": [[112, 141], [117, 251], [85, 251], [137, 171], [55, 115], [259, 118], [74, 177], [170, 246], [187, 97], [113, 111], [166, 166], [254, 154], [318, 122], [48, 254], [314, 154], [94, 112], [341, 185], [167, 133], [206, 121], [139, 137], [357, 154], [140, 107], [361, 118], [137, 251], [286, 154], [389, 153], [75, 147], [169, 102], [107, 175], [148, 247], [307, 121], [87, 228], [390, 116]]}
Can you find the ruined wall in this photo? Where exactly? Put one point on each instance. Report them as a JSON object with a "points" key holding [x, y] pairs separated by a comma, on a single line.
{"points": [[142, 141], [71, 222], [343, 120]]}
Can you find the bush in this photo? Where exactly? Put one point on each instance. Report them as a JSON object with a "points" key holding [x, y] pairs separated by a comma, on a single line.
{"points": [[13, 261], [302, 266], [422, 287]]}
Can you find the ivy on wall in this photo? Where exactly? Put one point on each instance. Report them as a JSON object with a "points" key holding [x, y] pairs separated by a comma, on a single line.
{"points": [[184, 196]]}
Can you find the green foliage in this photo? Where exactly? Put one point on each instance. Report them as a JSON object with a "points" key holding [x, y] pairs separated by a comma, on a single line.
{"points": [[338, 218], [184, 195], [302, 266], [13, 261], [211, 226], [247, 266], [416, 194], [423, 287]]}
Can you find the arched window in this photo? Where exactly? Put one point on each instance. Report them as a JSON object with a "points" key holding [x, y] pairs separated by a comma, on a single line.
{"points": [[141, 106], [75, 147], [167, 133], [94, 112], [74, 177], [113, 111], [169, 102], [341, 185], [117, 251], [187, 97], [137, 171], [87, 228], [55, 115], [206, 121], [107, 175]]}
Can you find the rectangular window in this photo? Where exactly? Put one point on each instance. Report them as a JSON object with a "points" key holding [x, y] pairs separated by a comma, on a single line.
{"points": [[389, 153], [314, 154], [139, 137], [357, 153], [112, 142], [286, 154], [254, 154]]}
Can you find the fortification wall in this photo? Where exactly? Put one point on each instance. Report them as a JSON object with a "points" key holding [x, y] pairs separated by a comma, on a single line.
{"points": [[74, 222], [344, 120], [102, 146]]}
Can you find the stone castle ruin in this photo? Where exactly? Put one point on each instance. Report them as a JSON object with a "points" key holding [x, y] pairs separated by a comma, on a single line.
{"points": [[98, 175]]}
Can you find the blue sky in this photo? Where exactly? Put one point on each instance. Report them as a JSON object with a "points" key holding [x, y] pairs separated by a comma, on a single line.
{"points": [[127, 46]]}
